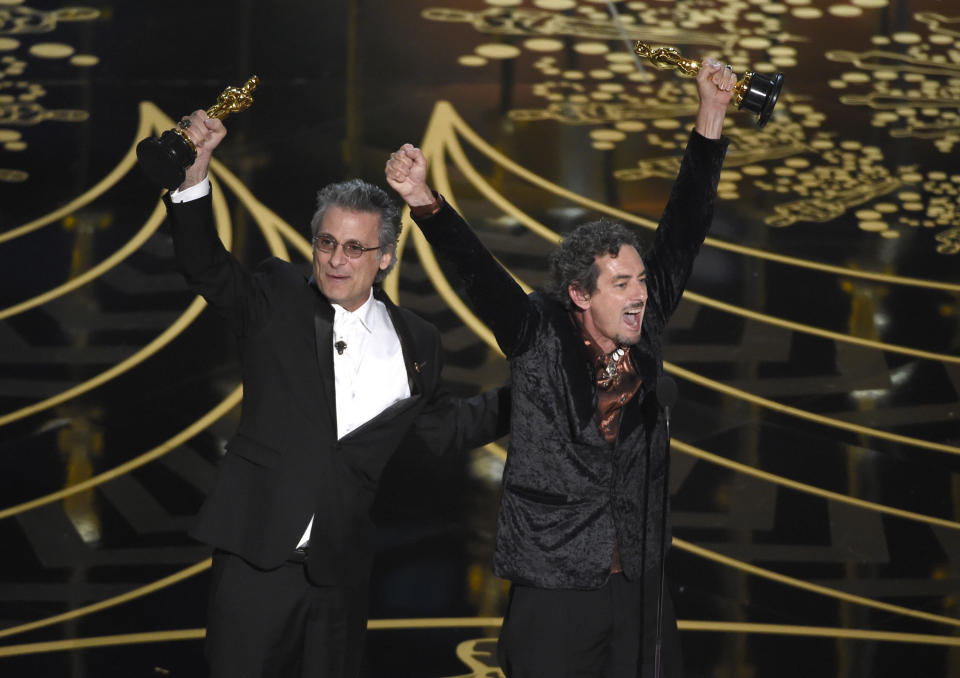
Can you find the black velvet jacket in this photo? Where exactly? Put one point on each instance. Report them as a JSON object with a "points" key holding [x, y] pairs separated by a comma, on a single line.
{"points": [[568, 495]]}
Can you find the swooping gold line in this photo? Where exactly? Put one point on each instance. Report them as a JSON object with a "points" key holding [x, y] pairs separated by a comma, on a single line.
{"points": [[804, 414], [819, 332], [451, 120], [807, 586], [688, 449], [493, 622], [222, 219], [131, 246], [206, 420], [150, 120], [174, 578], [820, 632]]}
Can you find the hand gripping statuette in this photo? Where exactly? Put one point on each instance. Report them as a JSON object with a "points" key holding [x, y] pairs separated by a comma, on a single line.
{"points": [[164, 160], [756, 92]]}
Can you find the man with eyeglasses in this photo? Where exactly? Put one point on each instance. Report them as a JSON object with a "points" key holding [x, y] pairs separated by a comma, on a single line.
{"points": [[336, 378]]}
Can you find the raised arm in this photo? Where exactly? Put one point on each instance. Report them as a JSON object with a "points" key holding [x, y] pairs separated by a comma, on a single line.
{"points": [[210, 270], [688, 214], [496, 297]]}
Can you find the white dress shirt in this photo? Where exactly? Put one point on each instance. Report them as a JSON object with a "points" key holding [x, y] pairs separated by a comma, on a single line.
{"points": [[369, 374]]}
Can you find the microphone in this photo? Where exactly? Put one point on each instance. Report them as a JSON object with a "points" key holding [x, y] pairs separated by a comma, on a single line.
{"points": [[341, 346], [666, 394]]}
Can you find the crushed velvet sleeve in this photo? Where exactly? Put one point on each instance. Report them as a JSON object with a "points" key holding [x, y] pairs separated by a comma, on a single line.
{"points": [[685, 222], [494, 295]]}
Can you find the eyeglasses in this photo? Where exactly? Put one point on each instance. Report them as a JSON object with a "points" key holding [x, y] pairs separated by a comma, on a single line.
{"points": [[328, 245]]}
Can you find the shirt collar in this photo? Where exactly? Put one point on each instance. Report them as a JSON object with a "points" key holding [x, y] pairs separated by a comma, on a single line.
{"points": [[365, 314]]}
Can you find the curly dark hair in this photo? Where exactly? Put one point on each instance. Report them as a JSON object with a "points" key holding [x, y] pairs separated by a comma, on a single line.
{"points": [[359, 196], [574, 260]]}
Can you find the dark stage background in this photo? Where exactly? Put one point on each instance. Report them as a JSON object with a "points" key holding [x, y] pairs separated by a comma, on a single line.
{"points": [[815, 481]]}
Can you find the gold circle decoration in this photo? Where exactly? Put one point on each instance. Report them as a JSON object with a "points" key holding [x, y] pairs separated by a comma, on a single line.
{"points": [[807, 13], [8, 44], [666, 123], [543, 45], [754, 43], [472, 60], [495, 50], [591, 48], [783, 51], [873, 226], [51, 50], [845, 11], [906, 38], [607, 135], [555, 5], [84, 60], [8, 135]]}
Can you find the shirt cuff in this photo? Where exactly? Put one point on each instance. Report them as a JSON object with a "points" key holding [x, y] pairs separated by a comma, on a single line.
{"points": [[421, 211], [194, 192]]}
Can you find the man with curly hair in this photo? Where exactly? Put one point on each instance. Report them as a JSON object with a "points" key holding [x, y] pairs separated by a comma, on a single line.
{"points": [[581, 519]]}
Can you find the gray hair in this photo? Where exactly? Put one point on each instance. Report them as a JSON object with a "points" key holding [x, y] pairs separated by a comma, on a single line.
{"points": [[359, 196]]}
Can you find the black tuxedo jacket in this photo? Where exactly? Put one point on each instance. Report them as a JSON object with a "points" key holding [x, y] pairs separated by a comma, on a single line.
{"points": [[285, 462]]}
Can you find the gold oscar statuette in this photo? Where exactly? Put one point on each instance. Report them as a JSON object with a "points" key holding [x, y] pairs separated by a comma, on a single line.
{"points": [[165, 160], [756, 92]]}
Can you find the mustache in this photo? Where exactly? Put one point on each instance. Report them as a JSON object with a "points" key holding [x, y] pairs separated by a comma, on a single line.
{"points": [[638, 306]]}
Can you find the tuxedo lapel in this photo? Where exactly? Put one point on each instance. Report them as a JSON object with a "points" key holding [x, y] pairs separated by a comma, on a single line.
{"points": [[581, 387], [323, 339], [411, 355]]}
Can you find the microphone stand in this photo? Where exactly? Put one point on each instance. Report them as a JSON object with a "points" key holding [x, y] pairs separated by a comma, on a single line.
{"points": [[666, 396]]}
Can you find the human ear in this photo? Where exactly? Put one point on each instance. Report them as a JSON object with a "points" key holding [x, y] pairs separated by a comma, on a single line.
{"points": [[578, 296]]}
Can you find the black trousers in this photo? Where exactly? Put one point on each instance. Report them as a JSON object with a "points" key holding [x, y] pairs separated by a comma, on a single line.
{"points": [[595, 633], [266, 623]]}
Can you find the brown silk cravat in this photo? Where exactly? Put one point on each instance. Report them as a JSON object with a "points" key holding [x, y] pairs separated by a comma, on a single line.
{"points": [[617, 383]]}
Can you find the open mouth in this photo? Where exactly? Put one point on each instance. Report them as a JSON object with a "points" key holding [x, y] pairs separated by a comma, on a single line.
{"points": [[633, 318]]}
